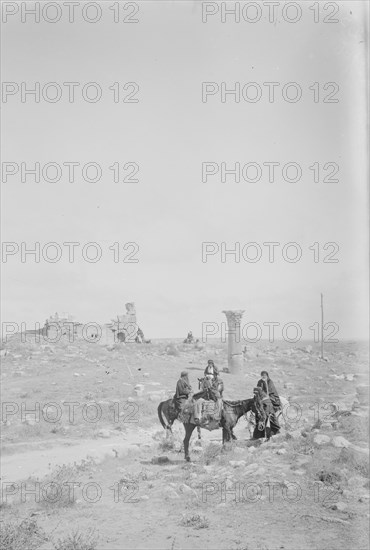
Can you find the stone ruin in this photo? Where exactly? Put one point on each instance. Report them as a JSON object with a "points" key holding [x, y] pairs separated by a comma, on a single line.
{"points": [[123, 328], [61, 324], [234, 344]]}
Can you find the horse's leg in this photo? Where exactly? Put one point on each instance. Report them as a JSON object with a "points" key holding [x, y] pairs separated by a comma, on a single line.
{"points": [[232, 434], [199, 434], [225, 435], [189, 428]]}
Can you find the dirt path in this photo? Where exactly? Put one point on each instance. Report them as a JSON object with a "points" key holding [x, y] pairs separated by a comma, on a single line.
{"points": [[38, 462]]}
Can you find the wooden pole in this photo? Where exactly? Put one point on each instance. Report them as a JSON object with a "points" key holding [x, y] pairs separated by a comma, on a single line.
{"points": [[322, 326]]}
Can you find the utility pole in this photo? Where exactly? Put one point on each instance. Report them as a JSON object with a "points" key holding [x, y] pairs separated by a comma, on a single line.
{"points": [[322, 326]]}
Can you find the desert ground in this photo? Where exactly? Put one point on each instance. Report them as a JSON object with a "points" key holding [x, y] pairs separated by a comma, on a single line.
{"points": [[73, 481]]}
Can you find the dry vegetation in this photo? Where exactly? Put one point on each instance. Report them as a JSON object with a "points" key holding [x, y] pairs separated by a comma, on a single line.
{"points": [[175, 505]]}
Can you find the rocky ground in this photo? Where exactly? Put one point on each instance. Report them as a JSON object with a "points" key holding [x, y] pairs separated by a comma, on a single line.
{"points": [[117, 483]]}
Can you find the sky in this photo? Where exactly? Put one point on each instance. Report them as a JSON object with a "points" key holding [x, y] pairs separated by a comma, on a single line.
{"points": [[169, 133]]}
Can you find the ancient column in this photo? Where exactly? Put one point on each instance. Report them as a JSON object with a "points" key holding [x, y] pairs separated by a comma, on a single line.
{"points": [[234, 351]]}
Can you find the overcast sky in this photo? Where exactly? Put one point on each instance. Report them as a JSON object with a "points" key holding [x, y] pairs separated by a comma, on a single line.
{"points": [[169, 133]]}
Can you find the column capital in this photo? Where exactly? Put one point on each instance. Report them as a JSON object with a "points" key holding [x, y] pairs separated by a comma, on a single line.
{"points": [[234, 315]]}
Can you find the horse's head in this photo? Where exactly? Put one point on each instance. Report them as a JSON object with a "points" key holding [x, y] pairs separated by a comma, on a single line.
{"points": [[261, 416], [261, 426]]}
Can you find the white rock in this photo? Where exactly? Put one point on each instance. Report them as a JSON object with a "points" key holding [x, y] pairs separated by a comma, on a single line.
{"points": [[76, 374], [281, 451], [339, 441], [341, 506], [186, 490], [321, 439], [251, 467], [104, 433], [170, 494], [237, 463]]}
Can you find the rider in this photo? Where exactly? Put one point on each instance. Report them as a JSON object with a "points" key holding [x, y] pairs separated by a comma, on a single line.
{"points": [[183, 390], [211, 370], [213, 386], [268, 387]]}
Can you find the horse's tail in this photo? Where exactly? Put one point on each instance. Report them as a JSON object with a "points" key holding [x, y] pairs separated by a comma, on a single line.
{"points": [[160, 415]]}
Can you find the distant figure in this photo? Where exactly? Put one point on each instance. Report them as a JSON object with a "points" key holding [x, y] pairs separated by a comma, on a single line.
{"points": [[189, 339], [267, 385], [211, 371], [183, 390], [139, 336]]}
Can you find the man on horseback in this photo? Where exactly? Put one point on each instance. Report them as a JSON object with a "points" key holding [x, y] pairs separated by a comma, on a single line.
{"points": [[183, 390], [212, 387], [211, 370]]}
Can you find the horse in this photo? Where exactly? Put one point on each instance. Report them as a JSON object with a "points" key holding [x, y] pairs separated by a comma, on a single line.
{"points": [[167, 415], [167, 412], [232, 411], [279, 414]]}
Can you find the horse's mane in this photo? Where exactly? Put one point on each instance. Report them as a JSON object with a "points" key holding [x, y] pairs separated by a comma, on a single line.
{"points": [[236, 403]]}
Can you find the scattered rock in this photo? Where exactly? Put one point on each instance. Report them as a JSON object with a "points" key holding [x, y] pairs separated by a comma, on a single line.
{"points": [[339, 441], [321, 439], [237, 463], [170, 494], [251, 467], [160, 460], [144, 497], [340, 506], [186, 490], [104, 433], [363, 394], [76, 374], [281, 451]]}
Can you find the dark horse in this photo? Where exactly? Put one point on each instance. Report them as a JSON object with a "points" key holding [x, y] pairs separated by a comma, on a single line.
{"points": [[232, 411], [167, 412], [167, 415]]}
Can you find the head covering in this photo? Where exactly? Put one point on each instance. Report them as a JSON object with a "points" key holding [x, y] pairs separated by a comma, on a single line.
{"points": [[210, 362], [184, 373], [265, 372]]}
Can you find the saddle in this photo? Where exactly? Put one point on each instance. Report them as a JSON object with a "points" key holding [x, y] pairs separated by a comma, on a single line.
{"points": [[204, 413]]}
